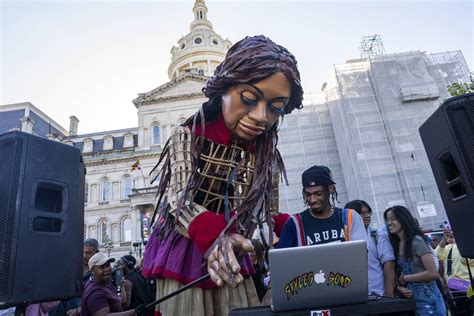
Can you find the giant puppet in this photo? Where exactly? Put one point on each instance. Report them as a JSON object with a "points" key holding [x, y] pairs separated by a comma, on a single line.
{"points": [[216, 181]]}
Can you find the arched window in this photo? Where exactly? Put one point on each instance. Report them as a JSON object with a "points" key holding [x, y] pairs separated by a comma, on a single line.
{"points": [[126, 229], [86, 193], [105, 190], [156, 134], [127, 186], [103, 233]]}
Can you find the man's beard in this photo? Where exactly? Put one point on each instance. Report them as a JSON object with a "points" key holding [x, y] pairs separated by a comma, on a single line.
{"points": [[320, 209]]}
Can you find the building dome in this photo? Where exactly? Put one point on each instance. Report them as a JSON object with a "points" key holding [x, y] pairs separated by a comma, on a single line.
{"points": [[201, 50]]}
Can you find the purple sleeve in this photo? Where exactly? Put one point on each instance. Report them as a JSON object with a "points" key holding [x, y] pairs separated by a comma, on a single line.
{"points": [[96, 301], [288, 235]]}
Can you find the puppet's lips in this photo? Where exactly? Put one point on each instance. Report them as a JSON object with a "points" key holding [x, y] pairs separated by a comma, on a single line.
{"points": [[252, 129]]}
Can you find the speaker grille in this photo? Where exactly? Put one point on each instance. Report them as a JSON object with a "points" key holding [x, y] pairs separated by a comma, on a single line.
{"points": [[10, 162], [461, 118]]}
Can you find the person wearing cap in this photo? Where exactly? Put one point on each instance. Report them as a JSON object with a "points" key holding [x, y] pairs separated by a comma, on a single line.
{"points": [[99, 297], [322, 222]]}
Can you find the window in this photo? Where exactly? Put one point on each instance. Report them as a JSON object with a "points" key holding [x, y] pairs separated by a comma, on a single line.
{"points": [[200, 72], [105, 190], [86, 193], [215, 42], [103, 233], [94, 194], [183, 46], [156, 134], [126, 229], [127, 186], [197, 40]]}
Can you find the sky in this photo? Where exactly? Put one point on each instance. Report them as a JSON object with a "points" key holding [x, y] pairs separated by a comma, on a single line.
{"points": [[92, 58]]}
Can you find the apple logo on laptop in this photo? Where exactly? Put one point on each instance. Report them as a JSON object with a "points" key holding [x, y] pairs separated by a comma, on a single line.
{"points": [[319, 277]]}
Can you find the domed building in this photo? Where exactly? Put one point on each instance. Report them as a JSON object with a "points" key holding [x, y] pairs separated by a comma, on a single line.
{"points": [[201, 50]]}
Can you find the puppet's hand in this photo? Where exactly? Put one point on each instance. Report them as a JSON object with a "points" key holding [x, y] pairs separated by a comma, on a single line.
{"points": [[222, 263]]}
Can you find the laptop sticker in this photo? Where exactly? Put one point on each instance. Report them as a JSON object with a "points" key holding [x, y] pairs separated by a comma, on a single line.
{"points": [[339, 279], [298, 283]]}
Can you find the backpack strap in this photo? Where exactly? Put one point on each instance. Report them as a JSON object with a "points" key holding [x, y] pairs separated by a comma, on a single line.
{"points": [[373, 235], [299, 229], [449, 268], [347, 220]]}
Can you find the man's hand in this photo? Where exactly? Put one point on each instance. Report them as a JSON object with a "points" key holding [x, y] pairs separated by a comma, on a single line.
{"points": [[222, 263]]}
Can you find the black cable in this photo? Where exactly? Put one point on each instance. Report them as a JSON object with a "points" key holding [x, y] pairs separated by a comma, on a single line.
{"points": [[470, 273], [184, 288]]}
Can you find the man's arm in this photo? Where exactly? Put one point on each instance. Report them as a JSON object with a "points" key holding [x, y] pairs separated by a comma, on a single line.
{"points": [[442, 250], [358, 231], [387, 259], [389, 277], [288, 235], [126, 297]]}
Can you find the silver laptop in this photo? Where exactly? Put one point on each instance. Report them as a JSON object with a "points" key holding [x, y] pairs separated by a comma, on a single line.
{"points": [[319, 276]]}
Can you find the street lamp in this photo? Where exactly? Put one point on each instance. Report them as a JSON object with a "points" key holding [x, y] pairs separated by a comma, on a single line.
{"points": [[108, 244], [138, 244]]}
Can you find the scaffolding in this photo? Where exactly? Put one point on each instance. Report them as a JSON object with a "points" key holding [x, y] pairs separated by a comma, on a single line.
{"points": [[371, 46], [364, 127], [451, 65], [377, 105]]}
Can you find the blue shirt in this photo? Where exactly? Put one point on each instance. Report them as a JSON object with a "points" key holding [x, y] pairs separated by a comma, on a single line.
{"points": [[320, 231], [378, 253]]}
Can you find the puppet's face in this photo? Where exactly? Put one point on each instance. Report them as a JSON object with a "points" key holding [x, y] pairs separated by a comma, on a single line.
{"points": [[249, 110]]}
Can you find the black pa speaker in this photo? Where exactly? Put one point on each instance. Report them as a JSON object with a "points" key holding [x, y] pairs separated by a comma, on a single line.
{"points": [[41, 219], [448, 137]]}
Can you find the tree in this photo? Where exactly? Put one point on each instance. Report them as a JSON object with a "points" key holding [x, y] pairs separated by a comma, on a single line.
{"points": [[456, 89]]}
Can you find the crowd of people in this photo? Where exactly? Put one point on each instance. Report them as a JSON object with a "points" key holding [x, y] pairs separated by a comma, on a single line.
{"points": [[118, 289], [402, 261]]}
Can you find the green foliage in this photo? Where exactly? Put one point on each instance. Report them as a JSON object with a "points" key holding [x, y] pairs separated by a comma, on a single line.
{"points": [[456, 89]]}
